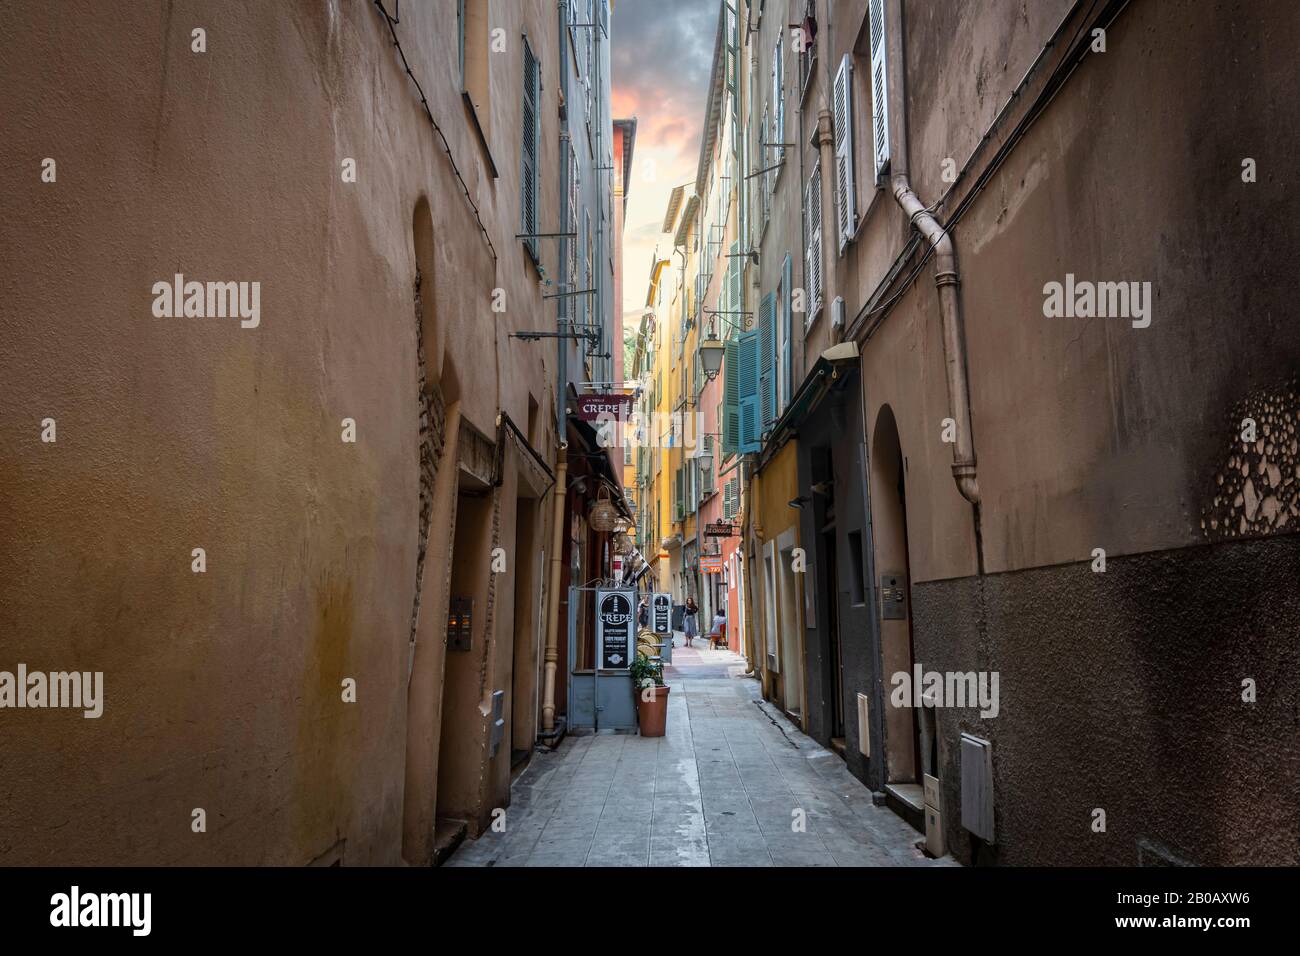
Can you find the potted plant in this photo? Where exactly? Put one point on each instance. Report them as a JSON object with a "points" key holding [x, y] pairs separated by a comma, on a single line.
{"points": [[651, 695]]}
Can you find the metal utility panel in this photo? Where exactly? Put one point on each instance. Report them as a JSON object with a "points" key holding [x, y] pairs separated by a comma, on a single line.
{"points": [[864, 725], [977, 786], [893, 596]]}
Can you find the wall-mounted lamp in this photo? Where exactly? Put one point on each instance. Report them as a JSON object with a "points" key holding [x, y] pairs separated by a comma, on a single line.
{"points": [[799, 502], [711, 352]]}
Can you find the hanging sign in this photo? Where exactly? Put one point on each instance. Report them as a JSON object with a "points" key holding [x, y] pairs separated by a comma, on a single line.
{"points": [[711, 563], [614, 629], [661, 612], [720, 529], [603, 407]]}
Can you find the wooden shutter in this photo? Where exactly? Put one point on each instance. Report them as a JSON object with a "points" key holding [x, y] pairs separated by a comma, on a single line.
{"points": [[846, 202], [731, 397], [879, 87], [531, 134], [812, 204], [748, 348], [767, 361], [787, 367]]}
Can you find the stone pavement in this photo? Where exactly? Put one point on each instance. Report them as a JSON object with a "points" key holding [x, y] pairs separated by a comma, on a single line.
{"points": [[719, 790]]}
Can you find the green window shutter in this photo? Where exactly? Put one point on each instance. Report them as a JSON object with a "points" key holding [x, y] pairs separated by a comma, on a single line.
{"points": [[787, 366], [730, 397], [767, 361], [751, 428]]}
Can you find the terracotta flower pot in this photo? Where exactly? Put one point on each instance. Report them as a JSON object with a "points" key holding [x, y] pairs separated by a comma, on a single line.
{"points": [[652, 710]]}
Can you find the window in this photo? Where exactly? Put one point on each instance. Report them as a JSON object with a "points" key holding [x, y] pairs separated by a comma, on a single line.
{"points": [[532, 129], [767, 385], [784, 370], [768, 174], [778, 96], [812, 244], [472, 27], [857, 577], [846, 202], [879, 88], [807, 46], [589, 282]]}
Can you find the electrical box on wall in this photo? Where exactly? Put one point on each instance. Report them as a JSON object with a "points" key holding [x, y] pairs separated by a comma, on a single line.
{"points": [[460, 623], [893, 596], [977, 786], [931, 791], [935, 844], [864, 725]]}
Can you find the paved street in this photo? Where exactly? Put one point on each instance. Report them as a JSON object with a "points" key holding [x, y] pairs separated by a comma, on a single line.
{"points": [[719, 790]]}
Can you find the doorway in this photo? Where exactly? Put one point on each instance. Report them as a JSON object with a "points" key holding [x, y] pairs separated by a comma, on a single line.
{"points": [[889, 510], [789, 626], [522, 703]]}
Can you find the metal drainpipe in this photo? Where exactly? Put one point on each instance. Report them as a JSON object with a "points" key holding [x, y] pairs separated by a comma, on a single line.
{"points": [[551, 655], [946, 277]]}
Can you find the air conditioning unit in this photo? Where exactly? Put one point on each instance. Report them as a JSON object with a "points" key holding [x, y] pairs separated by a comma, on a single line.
{"points": [[837, 312]]}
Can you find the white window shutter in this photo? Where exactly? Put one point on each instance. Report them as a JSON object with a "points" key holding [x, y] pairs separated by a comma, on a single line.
{"points": [[879, 88], [846, 200], [813, 243]]}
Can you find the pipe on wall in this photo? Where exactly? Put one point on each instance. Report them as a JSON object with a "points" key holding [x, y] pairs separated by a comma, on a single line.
{"points": [[550, 655], [946, 277]]}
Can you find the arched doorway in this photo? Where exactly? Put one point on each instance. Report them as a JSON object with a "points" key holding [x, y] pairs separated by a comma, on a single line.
{"points": [[889, 518], [434, 455]]}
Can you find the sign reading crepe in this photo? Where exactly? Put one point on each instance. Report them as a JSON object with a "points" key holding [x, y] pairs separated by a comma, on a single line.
{"points": [[614, 631], [661, 613], [603, 407]]}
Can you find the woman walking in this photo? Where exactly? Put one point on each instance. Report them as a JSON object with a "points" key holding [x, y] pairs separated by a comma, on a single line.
{"points": [[690, 627]]}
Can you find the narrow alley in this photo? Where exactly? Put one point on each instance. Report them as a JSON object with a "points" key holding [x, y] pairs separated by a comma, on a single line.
{"points": [[728, 785], [390, 388]]}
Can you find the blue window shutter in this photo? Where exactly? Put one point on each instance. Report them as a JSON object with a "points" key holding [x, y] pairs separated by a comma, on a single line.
{"points": [[767, 360], [731, 397], [751, 428], [787, 273]]}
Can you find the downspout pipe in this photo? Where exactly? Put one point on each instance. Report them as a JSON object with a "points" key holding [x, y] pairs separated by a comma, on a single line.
{"points": [[550, 655], [946, 277]]}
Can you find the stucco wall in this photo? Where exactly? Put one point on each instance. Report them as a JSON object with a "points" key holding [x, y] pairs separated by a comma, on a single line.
{"points": [[223, 688]]}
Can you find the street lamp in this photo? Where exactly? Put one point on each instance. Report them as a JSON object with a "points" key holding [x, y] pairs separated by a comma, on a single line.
{"points": [[711, 352]]}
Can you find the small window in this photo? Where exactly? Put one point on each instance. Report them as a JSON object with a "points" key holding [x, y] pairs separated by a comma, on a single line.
{"points": [[472, 17], [857, 579], [531, 133]]}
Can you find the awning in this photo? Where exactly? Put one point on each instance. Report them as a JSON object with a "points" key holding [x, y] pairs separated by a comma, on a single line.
{"points": [[826, 371]]}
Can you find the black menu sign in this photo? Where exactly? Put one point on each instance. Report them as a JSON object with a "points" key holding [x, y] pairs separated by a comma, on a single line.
{"points": [[614, 631], [661, 612]]}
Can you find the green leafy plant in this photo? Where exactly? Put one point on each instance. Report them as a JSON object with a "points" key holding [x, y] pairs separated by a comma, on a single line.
{"points": [[646, 672]]}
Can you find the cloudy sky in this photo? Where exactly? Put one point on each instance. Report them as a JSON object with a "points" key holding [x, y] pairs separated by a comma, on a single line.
{"points": [[662, 51]]}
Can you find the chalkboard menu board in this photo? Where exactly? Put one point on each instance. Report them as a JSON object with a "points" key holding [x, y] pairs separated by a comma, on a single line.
{"points": [[614, 629], [661, 612]]}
